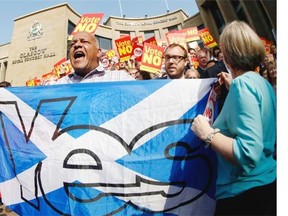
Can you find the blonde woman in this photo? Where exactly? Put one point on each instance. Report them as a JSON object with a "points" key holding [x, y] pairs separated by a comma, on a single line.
{"points": [[244, 133], [192, 74]]}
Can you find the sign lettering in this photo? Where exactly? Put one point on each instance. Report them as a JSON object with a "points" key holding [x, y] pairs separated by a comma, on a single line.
{"points": [[152, 58], [34, 53], [124, 47], [88, 27], [124, 50], [110, 53], [123, 43], [207, 38], [192, 32], [90, 20], [88, 23]]}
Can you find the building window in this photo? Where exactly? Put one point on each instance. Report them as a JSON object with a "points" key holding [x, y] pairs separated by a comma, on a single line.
{"points": [[149, 34], [71, 27], [173, 28], [124, 33], [104, 43], [239, 10], [217, 15], [202, 26], [267, 21]]}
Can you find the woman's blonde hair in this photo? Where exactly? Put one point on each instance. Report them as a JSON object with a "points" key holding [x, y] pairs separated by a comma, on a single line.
{"points": [[241, 46]]}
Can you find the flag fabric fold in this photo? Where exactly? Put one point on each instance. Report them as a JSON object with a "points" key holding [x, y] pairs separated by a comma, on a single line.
{"points": [[113, 148]]}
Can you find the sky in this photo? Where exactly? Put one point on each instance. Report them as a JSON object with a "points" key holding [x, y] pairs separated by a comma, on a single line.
{"points": [[11, 9]]}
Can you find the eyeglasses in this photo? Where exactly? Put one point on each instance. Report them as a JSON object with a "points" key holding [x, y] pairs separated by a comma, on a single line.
{"points": [[175, 58]]}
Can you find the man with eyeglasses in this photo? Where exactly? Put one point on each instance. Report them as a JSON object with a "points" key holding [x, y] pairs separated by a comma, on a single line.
{"points": [[176, 58]]}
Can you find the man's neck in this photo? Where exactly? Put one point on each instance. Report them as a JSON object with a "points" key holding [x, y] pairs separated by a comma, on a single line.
{"points": [[180, 77]]}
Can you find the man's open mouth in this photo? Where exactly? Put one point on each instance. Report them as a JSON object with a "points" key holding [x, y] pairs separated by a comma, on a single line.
{"points": [[78, 54]]}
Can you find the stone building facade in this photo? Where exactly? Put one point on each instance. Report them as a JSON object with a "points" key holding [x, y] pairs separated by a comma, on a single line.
{"points": [[39, 39], [259, 14]]}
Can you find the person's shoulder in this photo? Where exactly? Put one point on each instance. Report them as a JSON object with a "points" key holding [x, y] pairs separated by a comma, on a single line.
{"points": [[165, 77], [250, 81], [248, 76], [215, 69]]}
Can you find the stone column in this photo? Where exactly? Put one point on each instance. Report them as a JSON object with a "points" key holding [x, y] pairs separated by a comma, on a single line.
{"points": [[2, 71]]}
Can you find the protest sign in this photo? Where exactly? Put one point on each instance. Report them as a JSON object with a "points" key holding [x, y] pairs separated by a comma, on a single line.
{"points": [[88, 23], [207, 38], [152, 58], [124, 48]]}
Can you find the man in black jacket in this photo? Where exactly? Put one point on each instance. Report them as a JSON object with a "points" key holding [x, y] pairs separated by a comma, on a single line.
{"points": [[221, 90]]}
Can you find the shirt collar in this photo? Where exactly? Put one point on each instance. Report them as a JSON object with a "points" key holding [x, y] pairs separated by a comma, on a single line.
{"points": [[98, 71]]}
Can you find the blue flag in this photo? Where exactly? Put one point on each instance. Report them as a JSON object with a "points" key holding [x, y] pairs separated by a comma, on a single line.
{"points": [[111, 148]]}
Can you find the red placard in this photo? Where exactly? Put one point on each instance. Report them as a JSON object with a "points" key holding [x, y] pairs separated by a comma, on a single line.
{"points": [[110, 53], [137, 51], [62, 68], [191, 34], [137, 40], [207, 38], [88, 23], [33, 82], [267, 45], [152, 58], [177, 37], [151, 40], [124, 48]]}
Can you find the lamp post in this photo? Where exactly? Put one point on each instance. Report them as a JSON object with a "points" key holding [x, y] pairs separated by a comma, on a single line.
{"points": [[121, 12], [167, 6]]}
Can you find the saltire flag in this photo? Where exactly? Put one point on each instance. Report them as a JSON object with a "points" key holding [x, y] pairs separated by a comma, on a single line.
{"points": [[110, 148]]}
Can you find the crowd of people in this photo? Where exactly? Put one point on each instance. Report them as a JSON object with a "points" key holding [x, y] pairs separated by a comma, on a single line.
{"points": [[209, 63], [244, 133]]}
